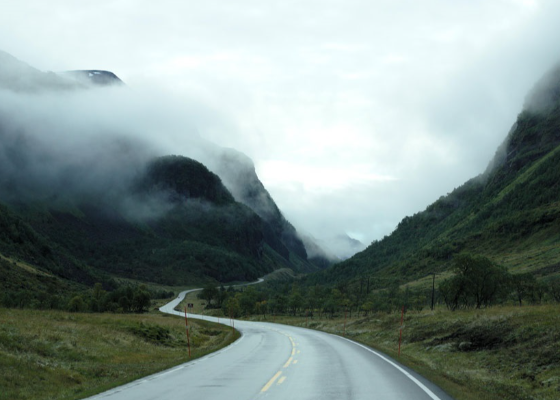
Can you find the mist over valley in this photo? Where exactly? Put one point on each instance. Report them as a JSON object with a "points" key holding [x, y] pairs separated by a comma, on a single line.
{"points": [[342, 167]]}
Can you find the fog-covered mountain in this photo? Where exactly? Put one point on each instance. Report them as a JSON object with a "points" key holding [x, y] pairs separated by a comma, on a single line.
{"points": [[87, 200]]}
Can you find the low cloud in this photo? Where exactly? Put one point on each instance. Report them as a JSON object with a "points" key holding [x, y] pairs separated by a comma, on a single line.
{"points": [[326, 99], [62, 141]]}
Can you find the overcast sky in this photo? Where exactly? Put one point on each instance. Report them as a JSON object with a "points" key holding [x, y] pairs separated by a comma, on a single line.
{"points": [[356, 113]]}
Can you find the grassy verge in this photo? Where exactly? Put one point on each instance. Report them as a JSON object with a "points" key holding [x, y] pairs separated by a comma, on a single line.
{"points": [[497, 353], [59, 355]]}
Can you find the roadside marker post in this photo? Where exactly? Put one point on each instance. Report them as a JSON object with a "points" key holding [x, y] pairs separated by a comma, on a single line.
{"points": [[400, 330], [345, 311], [187, 328]]}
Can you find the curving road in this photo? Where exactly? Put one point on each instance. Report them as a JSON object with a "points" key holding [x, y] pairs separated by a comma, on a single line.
{"points": [[272, 361]]}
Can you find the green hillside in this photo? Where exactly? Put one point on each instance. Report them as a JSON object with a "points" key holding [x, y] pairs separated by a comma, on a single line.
{"points": [[198, 231], [510, 213], [100, 205], [239, 175], [176, 224]]}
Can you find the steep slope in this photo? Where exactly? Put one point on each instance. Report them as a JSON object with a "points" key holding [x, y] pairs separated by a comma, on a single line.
{"points": [[179, 224], [20, 243], [98, 199], [510, 213], [239, 175], [17, 76]]}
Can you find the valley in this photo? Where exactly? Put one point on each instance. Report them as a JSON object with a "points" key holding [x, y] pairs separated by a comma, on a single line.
{"points": [[95, 235]]}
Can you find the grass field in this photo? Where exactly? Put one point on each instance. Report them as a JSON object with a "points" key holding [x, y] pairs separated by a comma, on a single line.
{"points": [[61, 355], [497, 353]]}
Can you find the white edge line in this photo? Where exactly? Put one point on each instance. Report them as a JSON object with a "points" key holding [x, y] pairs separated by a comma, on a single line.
{"points": [[186, 364], [158, 375], [406, 373]]}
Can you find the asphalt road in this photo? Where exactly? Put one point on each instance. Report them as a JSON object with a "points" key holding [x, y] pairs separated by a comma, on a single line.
{"points": [[273, 361]]}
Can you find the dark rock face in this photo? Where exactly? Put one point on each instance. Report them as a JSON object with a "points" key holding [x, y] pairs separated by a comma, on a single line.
{"points": [[238, 174], [18, 76], [95, 77]]}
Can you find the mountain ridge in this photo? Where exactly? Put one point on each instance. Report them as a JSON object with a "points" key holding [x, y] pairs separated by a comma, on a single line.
{"points": [[124, 211], [509, 213]]}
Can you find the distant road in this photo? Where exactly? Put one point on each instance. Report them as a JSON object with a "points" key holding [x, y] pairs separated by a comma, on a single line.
{"points": [[273, 361]]}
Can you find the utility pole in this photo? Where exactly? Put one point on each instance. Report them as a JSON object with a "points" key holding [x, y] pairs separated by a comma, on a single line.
{"points": [[433, 290]]}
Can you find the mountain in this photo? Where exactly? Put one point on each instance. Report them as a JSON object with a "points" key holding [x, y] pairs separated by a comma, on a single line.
{"points": [[510, 213], [17, 76], [92, 206], [94, 77], [239, 175]]}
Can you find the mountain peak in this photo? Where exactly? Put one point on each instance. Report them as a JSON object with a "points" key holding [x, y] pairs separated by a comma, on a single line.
{"points": [[545, 94], [94, 77], [183, 177], [17, 76]]}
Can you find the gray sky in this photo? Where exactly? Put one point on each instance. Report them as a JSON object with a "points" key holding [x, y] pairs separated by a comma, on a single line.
{"points": [[356, 113]]}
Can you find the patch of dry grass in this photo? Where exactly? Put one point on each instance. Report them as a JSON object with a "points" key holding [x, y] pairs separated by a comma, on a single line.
{"points": [[496, 353], [59, 355]]}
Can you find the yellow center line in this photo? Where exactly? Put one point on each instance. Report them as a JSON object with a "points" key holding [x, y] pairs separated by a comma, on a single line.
{"points": [[288, 362], [271, 382], [277, 375]]}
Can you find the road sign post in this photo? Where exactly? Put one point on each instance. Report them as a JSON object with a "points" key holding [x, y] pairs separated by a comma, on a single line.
{"points": [[187, 328], [400, 330]]}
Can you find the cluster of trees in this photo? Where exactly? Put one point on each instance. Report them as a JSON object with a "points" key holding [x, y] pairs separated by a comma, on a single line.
{"points": [[235, 303], [125, 299], [27, 298], [293, 299], [476, 283]]}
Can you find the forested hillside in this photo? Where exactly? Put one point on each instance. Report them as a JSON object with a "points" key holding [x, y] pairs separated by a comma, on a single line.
{"points": [[88, 204], [510, 213], [238, 172]]}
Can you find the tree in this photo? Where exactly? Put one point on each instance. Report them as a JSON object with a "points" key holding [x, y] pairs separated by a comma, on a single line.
{"points": [[553, 285], [295, 301], [477, 282], [98, 298], [76, 304], [231, 307], [524, 286], [247, 300], [261, 308], [222, 295], [367, 307], [141, 300], [209, 293]]}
